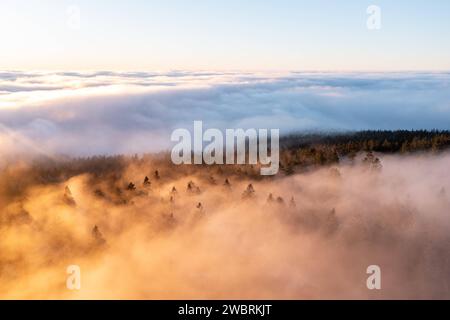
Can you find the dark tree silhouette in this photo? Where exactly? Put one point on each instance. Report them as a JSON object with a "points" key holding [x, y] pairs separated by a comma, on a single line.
{"points": [[99, 193], [332, 222], [68, 198], [292, 203], [227, 183], [192, 188], [372, 162], [98, 236], [280, 200], [199, 207], [249, 192]]}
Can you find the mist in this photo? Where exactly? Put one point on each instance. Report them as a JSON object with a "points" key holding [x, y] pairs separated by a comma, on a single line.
{"points": [[312, 239], [124, 113]]}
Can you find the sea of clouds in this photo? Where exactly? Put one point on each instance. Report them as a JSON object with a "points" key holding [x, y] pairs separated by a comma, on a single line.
{"points": [[81, 113]]}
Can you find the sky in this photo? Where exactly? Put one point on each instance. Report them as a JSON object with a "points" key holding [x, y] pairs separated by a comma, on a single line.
{"points": [[101, 77], [271, 35]]}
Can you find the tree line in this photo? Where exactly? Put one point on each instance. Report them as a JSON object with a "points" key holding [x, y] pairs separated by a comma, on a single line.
{"points": [[329, 148]]}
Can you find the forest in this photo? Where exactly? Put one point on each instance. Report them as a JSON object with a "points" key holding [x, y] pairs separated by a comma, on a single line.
{"points": [[298, 153], [340, 203]]}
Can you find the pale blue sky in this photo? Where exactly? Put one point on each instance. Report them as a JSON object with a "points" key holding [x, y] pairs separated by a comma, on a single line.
{"points": [[225, 35]]}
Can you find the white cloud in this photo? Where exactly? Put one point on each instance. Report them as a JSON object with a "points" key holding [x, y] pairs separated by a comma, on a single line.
{"points": [[107, 112]]}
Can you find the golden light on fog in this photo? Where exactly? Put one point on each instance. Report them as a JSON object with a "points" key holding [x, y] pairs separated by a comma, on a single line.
{"points": [[156, 242]]}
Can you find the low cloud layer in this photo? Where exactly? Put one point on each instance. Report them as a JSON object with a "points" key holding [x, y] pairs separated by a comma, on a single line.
{"points": [[111, 112], [215, 243]]}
